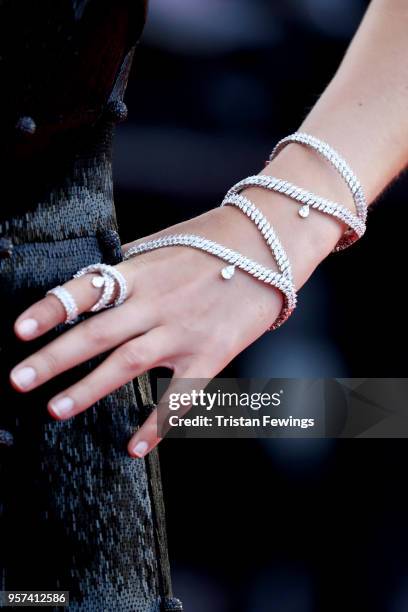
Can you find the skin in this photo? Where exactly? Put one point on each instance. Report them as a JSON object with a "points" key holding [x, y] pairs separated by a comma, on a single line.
{"points": [[180, 313]]}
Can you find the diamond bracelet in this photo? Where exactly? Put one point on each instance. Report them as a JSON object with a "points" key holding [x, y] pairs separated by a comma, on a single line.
{"points": [[308, 200], [234, 259], [265, 228], [335, 159]]}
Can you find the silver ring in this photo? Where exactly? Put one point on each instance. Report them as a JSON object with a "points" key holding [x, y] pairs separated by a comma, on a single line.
{"points": [[68, 302], [110, 279], [108, 290]]}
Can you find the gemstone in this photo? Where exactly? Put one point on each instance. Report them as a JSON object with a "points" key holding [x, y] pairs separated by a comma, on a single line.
{"points": [[228, 272], [98, 282], [304, 211]]}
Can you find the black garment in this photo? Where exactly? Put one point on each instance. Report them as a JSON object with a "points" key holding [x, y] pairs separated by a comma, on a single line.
{"points": [[76, 512]]}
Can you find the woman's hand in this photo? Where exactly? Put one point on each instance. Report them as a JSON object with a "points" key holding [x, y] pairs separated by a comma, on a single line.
{"points": [[180, 314]]}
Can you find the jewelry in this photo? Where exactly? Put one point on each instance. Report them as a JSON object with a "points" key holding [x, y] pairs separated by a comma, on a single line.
{"points": [[108, 285], [308, 200], [234, 259], [266, 229], [335, 159], [110, 279], [105, 281], [68, 302]]}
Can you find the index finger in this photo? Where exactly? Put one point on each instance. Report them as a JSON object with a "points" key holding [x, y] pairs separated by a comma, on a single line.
{"points": [[49, 311]]}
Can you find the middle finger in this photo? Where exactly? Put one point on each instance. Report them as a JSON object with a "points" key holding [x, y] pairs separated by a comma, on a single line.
{"points": [[96, 335]]}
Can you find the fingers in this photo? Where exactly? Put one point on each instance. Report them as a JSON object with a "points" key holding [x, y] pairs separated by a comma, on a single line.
{"points": [[156, 425], [123, 365], [49, 312], [96, 335]]}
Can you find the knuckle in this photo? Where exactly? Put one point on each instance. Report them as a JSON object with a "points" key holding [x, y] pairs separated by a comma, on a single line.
{"points": [[131, 357], [97, 332], [50, 363]]}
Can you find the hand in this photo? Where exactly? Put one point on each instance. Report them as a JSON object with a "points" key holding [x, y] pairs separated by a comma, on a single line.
{"points": [[180, 314]]}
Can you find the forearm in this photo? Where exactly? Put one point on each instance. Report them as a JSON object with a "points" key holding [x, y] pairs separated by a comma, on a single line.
{"points": [[363, 111], [362, 114]]}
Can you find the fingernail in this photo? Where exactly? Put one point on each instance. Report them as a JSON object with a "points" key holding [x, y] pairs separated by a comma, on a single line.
{"points": [[62, 407], [140, 448], [28, 327], [24, 377]]}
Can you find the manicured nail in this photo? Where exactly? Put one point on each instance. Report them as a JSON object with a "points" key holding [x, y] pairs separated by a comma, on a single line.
{"points": [[27, 328], [140, 448], [24, 377], [62, 407]]}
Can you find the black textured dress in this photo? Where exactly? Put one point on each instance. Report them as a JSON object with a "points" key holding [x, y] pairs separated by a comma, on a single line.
{"points": [[76, 512]]}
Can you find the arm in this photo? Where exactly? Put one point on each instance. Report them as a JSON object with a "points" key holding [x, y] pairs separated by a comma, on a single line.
{"points": [[179, 313], [363, 114]]}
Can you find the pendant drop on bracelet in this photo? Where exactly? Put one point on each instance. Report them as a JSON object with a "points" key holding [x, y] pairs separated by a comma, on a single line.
{"points": [[304, 211], [228, 272]]}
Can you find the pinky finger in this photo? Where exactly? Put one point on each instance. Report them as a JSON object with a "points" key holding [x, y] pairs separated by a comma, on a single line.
{"points": [[156, 425]]}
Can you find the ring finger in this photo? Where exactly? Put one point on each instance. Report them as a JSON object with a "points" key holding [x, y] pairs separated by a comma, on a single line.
{"points": [[155, 348]]}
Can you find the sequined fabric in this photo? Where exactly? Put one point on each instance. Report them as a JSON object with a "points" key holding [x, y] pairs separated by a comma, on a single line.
{"points": [[76, 512]]}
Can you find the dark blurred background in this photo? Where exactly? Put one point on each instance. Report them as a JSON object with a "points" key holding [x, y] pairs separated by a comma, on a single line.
{"points": [[283, 525]]}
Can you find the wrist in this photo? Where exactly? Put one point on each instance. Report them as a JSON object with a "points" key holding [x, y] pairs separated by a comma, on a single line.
{"points": [[341, 221], [306, 241], [305, 168], [228, 225]]}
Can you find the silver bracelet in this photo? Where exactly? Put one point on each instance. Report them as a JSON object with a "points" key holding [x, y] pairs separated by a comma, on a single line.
{"points": [[308, 200], [335, 159], [234, 259], [247, 207]]}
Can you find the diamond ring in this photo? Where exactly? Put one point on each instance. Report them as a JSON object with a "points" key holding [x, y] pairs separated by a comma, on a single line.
{"points": [[68, 302], [112, 282]]}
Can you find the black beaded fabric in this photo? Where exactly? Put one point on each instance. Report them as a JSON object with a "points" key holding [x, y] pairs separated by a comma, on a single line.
{"points": [[76, 512]]}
